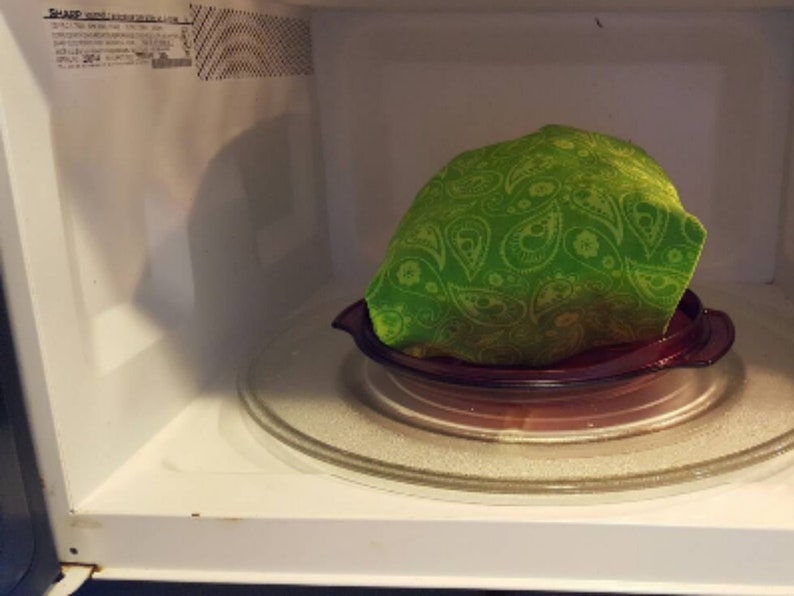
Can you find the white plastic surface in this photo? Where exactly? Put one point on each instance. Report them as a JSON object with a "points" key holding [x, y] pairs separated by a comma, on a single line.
{"points": [[74, 576], [154, 227], [582, 6], [207, 500], [246, 515], [162, 254], [785, 262]]}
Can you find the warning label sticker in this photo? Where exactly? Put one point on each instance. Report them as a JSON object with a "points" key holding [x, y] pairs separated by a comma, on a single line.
{"points": [[88, 39]]}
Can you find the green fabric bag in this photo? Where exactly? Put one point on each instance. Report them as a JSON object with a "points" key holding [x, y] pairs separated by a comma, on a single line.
{"points": [[530, 251]]}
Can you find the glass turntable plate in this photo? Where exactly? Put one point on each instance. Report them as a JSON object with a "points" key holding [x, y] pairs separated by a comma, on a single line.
{"points": [[313, 391]]}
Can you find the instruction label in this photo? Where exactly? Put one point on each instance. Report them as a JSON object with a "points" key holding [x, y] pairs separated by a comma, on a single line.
{"points": [[88, 39]]}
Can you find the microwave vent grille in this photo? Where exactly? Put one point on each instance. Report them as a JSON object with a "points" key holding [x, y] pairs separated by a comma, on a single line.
{"points": [[236, 44]]}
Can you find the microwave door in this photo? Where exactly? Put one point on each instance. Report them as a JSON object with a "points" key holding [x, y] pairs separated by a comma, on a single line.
{"points": [[28, 563]]}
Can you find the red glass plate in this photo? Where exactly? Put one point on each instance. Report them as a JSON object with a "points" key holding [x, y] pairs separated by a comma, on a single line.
{"points": [[696, 337]]}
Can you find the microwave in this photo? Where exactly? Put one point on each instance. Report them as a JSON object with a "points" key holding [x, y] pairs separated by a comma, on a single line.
{"points": [[191, 192]]}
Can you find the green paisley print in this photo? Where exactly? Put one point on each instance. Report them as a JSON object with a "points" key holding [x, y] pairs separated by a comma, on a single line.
{"points": [[530, 251]]}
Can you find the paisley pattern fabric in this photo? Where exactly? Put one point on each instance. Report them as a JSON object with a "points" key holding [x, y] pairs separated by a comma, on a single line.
{"points": [[530, 251]]}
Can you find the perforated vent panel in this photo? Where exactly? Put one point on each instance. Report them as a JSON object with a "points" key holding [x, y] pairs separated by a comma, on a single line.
{"points": [[234, 44]]}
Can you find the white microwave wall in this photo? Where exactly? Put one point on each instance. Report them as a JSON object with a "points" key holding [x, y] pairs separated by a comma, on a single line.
{"points": [[156, 226]]}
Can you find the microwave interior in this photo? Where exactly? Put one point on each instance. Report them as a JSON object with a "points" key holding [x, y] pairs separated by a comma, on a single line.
{"points": [[170, 213]]}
